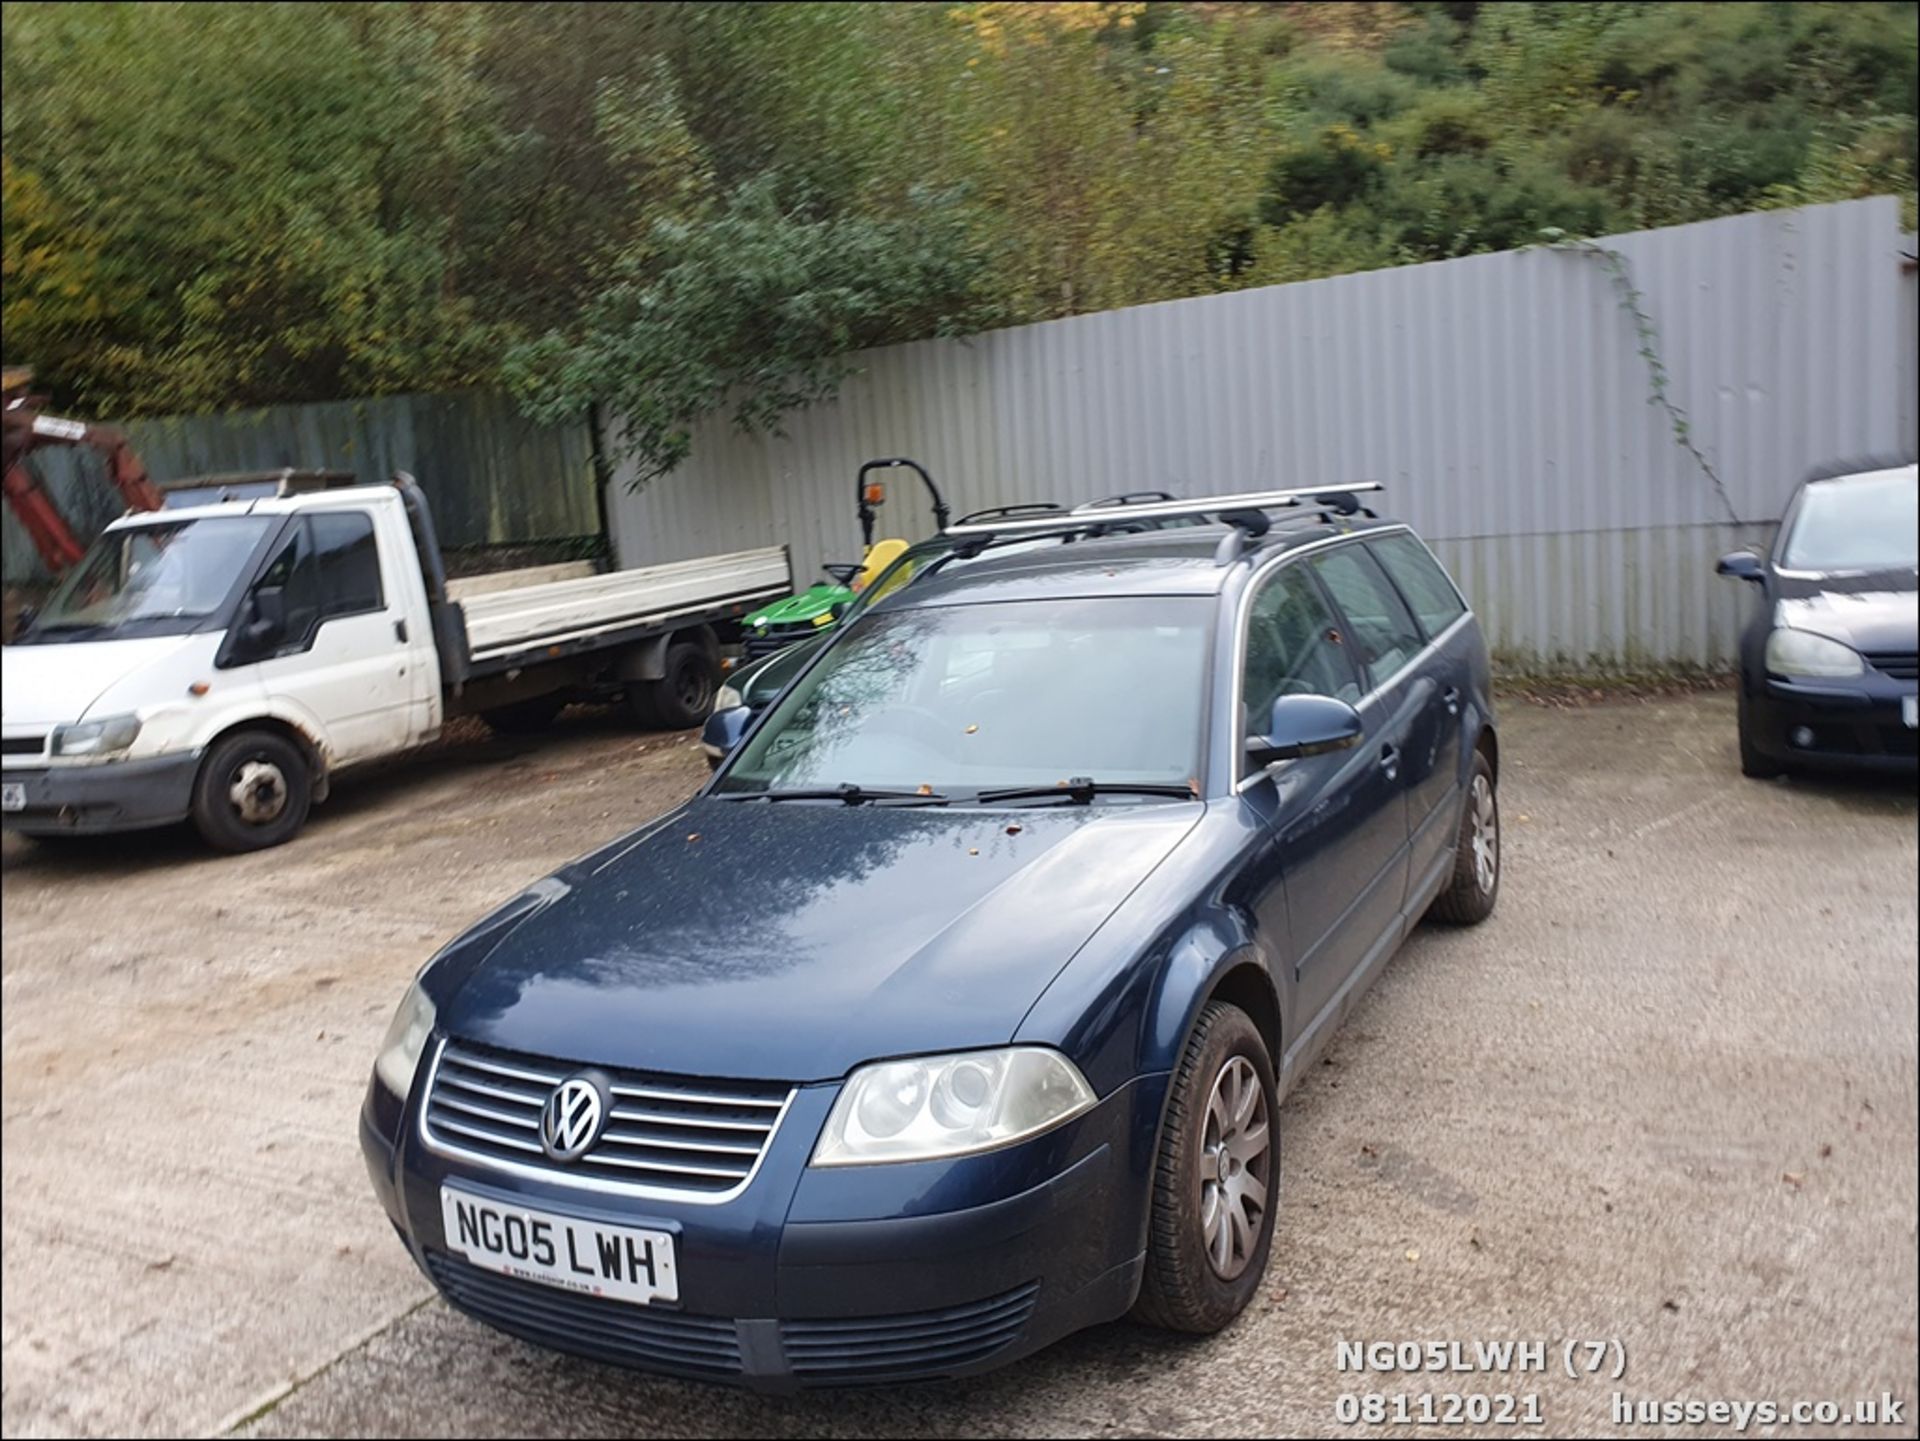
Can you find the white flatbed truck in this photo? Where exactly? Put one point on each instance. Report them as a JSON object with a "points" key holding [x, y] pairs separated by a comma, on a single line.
{"points": [[222, 658]]}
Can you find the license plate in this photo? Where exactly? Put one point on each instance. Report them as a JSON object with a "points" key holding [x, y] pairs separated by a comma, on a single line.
{"points": [[621, 1263], [1910, 711], [13, 797]]}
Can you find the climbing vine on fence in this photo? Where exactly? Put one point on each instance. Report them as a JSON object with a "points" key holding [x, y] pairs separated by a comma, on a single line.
{"points": [[1633, 302]]}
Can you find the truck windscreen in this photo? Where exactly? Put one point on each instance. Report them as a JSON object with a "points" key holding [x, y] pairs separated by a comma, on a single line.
{"points": [[155, 579]]}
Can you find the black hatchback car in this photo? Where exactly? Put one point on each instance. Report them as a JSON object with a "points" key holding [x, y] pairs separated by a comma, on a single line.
{"points": [[1828, 668]]}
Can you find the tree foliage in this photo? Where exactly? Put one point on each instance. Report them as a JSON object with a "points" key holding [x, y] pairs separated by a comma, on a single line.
{"points": [[683, 209]]}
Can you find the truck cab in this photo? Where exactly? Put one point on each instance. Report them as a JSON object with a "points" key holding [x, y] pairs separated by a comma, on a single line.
{"points": [[301, 617], [221, 659]]}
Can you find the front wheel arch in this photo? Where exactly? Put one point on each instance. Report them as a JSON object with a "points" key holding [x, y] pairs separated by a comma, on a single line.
{"points": [[1239, 978]]}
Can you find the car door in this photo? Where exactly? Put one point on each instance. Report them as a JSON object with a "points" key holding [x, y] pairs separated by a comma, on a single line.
{"points": [[1339, 819], [1399, 711], [1433, 760], [344, 658]]}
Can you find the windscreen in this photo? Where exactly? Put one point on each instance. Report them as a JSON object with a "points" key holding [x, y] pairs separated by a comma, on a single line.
{"points": [[155, 579], [969, 697], [1858, 523]]}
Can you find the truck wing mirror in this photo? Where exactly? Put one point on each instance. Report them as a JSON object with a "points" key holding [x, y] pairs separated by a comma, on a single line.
{"points": [[266, 619]]}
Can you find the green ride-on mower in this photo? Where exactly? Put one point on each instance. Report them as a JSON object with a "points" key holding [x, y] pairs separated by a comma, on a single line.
{"points": [[818, 608]]}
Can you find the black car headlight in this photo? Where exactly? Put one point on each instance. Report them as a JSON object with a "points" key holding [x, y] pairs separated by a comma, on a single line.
{"points": [[1801, 652]]}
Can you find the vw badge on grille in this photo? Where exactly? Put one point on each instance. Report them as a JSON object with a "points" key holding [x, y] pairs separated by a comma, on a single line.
{"points": [[570, 1121]]}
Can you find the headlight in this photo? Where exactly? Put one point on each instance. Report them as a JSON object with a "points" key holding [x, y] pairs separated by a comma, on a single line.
{"points": [[96, 738], [936, 1106], [1801, 652], [406, 1039], [727, 698]]}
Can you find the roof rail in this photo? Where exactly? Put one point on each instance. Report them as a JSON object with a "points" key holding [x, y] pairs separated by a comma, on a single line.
{"points": [[1127, 498], [1007, 512], [1229, 508]]}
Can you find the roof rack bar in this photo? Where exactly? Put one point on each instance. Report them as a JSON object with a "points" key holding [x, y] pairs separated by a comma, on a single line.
{"points": [[1215, 505]]}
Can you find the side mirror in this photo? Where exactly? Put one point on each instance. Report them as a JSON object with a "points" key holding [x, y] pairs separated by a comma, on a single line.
{"points": [[266, 619], [1305, 725], [722, 732], [1742, 565]]}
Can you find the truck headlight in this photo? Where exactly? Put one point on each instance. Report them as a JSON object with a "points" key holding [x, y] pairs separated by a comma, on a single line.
{"points": [[406, 1038], [101, 737], [1801, 652], [938, 1106]]}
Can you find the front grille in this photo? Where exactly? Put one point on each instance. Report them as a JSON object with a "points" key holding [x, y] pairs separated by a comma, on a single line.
{"points": [[664, 1133], [913, 1346], [1901, 665], [23, 746], [642, 1336], [1899, 741]]}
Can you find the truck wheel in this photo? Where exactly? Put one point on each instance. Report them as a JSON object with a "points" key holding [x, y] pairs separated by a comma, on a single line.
{"points": [[1216, 1179], [683, 697], [252, 792], [524, 718]]}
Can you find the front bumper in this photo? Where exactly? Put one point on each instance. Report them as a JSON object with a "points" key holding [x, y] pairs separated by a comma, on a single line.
{"points": [[830, 1277], [109, 796], [1839, 724]]}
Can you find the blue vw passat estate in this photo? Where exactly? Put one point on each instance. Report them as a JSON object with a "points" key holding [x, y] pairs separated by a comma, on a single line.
{"points": [[955, 1013]]}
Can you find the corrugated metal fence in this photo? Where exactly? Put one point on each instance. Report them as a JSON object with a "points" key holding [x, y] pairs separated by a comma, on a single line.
{"points": [[492, 476], [1502, 398]]}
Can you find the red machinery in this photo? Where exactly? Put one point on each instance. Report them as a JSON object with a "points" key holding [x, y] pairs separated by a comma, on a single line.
{"points": [[26, 430]]}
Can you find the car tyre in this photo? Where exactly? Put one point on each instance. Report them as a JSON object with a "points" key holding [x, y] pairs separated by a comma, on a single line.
{"points": [[253, 791], [1755, 763], [1216, 1179], [1475, 885], [683, 696]]}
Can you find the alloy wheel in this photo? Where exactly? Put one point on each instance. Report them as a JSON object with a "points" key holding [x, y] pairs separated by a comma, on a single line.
{"points": [[1235, 1168], [1486, 835]]}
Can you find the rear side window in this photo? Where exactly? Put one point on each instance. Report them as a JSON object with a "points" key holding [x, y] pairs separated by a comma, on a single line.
{"points": [[1294, 647], [349, 564], [1421, 581], [1383, 629]]}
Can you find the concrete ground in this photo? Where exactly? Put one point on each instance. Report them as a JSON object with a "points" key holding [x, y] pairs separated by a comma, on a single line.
{"points": [[1665, 1097]]}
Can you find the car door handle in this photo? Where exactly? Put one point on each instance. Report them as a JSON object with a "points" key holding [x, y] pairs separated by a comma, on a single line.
{"points": [[1390, 760], [1452, 698], [400, 631]]}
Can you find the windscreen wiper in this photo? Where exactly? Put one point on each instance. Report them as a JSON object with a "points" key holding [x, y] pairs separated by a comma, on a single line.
{"points": [[846, 791], [1082, 789]]}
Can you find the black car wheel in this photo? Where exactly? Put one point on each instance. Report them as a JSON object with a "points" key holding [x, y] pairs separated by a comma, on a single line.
{"points": [[1475, 886], [1216, 1178], [252, 792], [1754, 762]]}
